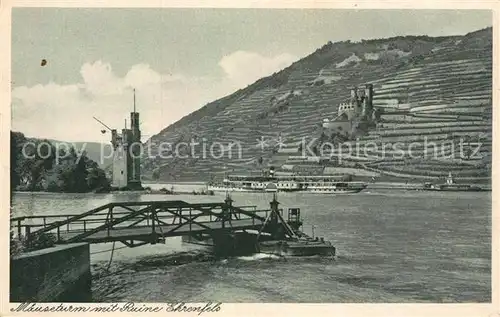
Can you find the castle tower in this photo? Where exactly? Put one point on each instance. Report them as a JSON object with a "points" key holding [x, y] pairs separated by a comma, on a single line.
{"points": [[368, 101], [120, 173], [135, 150], [126, 154], [354, 95], [360, 102]]}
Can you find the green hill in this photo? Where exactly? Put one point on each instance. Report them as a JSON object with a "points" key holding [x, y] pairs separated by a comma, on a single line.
{"points": [[430, 88]]}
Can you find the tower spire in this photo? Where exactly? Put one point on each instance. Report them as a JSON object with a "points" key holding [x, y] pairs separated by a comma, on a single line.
{"points": [[134, 99]]}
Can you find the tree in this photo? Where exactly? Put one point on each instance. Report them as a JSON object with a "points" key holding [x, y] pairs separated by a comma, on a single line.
{"points": [[35, 167], [31, 159], [96, 177], [16, 141]]}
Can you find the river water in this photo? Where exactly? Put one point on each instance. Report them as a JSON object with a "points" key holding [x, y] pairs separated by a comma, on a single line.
{"points": [[392, 246]]}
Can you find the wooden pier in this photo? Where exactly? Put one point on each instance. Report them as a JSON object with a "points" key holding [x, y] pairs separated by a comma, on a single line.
{"points": [[230, 229], [143, 222]]}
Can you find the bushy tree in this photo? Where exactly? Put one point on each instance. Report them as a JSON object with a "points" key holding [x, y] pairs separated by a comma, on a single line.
{"points": [[31, 159], [36, 167]]}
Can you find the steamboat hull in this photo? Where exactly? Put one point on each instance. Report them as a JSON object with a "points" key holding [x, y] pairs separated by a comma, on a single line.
{"points": [[334, 191], [316, 190], [249, 190]]}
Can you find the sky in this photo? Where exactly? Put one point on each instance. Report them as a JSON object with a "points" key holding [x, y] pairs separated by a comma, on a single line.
{"points": [[177, 60]]}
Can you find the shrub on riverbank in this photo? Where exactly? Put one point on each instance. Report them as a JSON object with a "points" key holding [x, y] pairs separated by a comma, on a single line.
{"points": [[16, 245], [19, 245], [37, 166]]}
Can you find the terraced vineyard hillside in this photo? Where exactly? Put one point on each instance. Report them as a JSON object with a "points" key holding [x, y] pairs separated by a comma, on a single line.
{"points": [[436, 99]]}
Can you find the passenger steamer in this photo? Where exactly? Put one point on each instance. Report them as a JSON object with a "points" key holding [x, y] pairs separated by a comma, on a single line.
{"points": [[323, 184]]}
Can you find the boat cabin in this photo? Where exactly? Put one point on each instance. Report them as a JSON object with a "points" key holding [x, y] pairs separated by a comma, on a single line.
{"points": [[294, 220]]}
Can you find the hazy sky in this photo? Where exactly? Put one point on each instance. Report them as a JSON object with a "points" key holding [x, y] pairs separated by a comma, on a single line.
{"points": [[177, 59]]}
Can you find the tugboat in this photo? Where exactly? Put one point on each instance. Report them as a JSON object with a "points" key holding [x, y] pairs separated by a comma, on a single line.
{"points": [[450, 185]]}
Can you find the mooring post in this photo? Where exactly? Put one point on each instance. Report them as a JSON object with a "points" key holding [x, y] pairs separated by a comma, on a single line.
{"points": [[28, 235], [229, 203], [274, 208], [273, 217], [190, 220], [223, 216], [19, 229], [226, 211], [153, 217]]}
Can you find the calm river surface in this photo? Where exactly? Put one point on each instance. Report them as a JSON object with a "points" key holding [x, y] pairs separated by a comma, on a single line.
{"points": [[392, 246]]}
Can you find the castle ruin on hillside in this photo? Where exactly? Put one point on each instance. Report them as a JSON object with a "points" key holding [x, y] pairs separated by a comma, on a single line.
{"points": [[359, 108]]}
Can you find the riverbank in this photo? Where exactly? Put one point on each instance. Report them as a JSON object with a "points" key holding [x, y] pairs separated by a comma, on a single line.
{"points": [[397, 186], [165, 191], [409, 186], [200, 187], [197, 188], [146, 190]]}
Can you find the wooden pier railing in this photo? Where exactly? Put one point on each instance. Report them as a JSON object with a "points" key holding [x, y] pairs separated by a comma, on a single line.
{"points": [[145, 221]]}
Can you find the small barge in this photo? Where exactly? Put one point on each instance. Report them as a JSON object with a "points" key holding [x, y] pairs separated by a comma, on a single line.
{"points": [[276, 236], [292, 241], [304, 247], [451, 186]]}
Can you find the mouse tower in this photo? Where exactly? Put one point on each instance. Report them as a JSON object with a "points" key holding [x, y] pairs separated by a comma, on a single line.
{"points": [[134, 152], [126, 166]]}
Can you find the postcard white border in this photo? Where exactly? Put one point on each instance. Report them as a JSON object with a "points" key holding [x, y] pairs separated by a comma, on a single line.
{"points": [[487, 310]]}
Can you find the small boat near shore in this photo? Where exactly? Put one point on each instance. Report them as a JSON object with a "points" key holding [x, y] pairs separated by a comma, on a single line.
{"points": [[276, 236], [451, 186], [297, 243]]}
